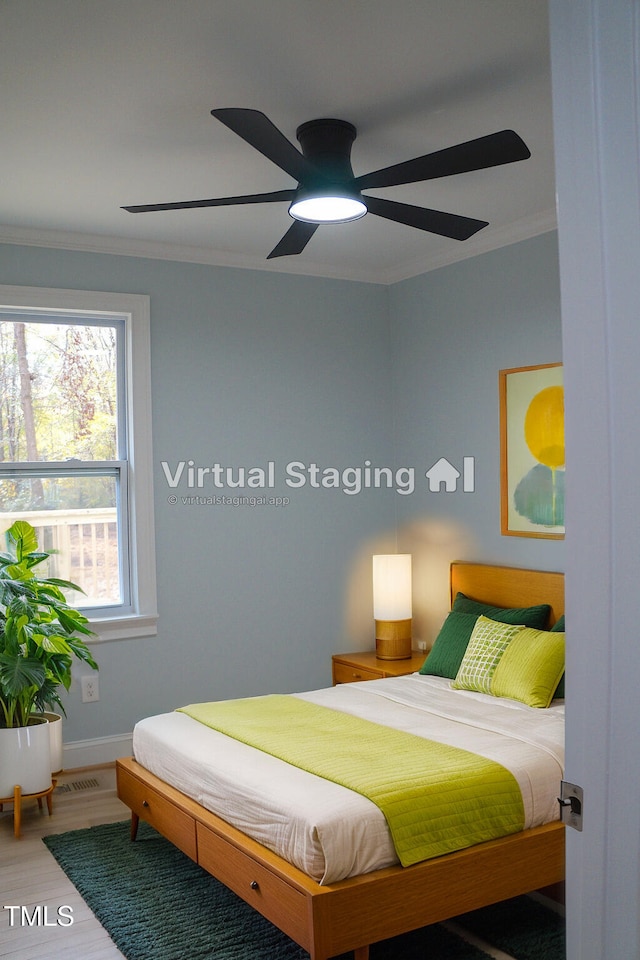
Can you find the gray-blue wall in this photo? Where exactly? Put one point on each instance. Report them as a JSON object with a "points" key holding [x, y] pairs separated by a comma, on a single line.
{"points": [[453, 330], [250, 367]]}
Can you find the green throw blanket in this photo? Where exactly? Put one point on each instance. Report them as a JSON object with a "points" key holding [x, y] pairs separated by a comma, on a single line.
{"points": [[435, 798]]}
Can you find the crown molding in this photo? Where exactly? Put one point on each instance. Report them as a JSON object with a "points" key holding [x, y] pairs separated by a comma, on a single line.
{"points": [[182, 253], [484, 242]]}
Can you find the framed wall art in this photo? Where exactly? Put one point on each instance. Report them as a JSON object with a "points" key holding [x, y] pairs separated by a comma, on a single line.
{"points": [[532, 468]]}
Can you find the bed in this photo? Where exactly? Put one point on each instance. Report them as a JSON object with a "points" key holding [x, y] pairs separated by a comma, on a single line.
{"points": [[328, 905]]}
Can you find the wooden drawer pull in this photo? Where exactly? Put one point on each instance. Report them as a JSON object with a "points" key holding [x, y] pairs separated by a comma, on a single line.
{"points": [[356, 676], [145, 803], [254, 885]]}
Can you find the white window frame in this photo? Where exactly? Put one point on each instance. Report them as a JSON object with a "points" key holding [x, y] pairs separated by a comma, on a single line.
{"points": [[141, 616]]}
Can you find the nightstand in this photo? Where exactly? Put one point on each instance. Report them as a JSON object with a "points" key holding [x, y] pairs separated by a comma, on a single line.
{"points": [[364, 665]]}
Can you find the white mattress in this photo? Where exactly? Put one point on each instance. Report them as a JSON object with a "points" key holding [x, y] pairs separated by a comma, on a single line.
{"points": [[330, 832]]}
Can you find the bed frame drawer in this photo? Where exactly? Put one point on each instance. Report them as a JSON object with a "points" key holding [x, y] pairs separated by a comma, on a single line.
{"points": [[270, 895], [166, 817]]}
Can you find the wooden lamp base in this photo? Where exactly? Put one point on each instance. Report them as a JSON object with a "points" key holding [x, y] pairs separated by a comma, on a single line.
{"points": [[393, 639]]}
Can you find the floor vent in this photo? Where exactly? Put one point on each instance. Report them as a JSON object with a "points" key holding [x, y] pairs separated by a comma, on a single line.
{"points": [[76, 785]]}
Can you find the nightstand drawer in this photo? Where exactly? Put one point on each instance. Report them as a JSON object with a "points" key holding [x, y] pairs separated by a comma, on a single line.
{"points": [[365, 665], [347, 673]]}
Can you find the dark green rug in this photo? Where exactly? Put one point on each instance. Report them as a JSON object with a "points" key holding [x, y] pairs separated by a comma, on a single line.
{"points": [[156, 904]]}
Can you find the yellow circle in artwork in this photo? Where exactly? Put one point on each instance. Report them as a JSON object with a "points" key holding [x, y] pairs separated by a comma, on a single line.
{"points": [[544, 427]]}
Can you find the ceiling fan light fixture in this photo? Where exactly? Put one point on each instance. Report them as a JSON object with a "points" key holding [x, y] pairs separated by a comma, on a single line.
{"points": [[327, 190], [332, 206]]}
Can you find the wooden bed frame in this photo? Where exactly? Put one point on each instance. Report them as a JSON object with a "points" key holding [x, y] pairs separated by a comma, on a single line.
{"points": [[351, 914]]}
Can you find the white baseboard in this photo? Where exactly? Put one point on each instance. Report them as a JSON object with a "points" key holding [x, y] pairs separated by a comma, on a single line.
{"points": [[100, 750]]}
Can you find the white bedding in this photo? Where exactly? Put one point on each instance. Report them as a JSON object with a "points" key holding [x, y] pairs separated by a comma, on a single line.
{"points": [[330, 832]]}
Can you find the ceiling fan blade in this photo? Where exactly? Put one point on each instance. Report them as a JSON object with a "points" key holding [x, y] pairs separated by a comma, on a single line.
{"points": [[272, 197], [256, 128], [295, 239], [490, 151], [433, 221]]}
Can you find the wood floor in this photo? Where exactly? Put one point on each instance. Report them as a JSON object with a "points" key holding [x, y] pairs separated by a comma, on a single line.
{"points": [[30, 877]]}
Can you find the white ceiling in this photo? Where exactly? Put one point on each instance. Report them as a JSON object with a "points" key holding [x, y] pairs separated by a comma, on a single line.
{"points": [[107, 102]]}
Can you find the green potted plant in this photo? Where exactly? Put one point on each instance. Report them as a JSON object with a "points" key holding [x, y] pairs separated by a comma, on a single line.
{"points": [[40, 636]]}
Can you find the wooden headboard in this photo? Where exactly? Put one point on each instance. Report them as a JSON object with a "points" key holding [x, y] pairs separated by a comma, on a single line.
{"points": [[508, 586]]}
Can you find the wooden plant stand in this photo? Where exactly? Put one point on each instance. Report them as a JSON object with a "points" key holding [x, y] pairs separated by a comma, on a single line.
{"points": [[19, 796]]}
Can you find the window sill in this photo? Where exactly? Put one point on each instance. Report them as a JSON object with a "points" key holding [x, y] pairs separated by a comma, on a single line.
{"points": [[123, 628]]}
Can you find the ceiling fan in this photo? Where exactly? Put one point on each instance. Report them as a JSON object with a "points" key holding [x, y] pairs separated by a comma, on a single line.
{"points": [[328, 191]]}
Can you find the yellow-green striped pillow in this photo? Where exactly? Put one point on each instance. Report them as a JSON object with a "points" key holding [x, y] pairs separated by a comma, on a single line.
{"points": [[487, 645]]}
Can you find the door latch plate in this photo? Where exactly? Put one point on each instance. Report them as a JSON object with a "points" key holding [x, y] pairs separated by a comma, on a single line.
{"points": [[571, 802]]}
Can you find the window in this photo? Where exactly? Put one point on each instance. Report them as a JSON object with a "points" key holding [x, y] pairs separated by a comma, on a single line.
{"points": [[74, 422]]}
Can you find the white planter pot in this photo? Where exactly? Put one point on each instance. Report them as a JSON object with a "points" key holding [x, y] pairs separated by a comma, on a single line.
{"points": [[25, 758], [55, 737]]}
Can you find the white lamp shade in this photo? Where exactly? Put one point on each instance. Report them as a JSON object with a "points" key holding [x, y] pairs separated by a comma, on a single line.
{"points": [[392, 586]]}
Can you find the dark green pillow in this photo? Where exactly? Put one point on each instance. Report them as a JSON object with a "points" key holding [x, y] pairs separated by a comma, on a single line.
{"points": [[536, 617], [451, 643], [558, 627]]}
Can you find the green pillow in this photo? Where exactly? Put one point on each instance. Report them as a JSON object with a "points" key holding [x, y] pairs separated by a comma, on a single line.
{"points": [[530, 667], [537, 616], [449, 648], [488, 642], [558, 627]]}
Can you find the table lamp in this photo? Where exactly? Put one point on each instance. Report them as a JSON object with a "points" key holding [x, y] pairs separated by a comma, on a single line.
{"points": [[392, 605]]}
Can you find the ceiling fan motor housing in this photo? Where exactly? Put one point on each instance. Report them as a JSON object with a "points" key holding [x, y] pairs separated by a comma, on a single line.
{"points": [[331, 196], [327, 144]]}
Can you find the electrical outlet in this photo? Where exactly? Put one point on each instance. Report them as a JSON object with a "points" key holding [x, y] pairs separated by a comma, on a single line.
{"points": [[90, 689], [422, 645]]}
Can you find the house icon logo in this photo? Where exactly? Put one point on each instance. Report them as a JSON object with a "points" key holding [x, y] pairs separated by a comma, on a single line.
{"points": [[444, 476]]}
